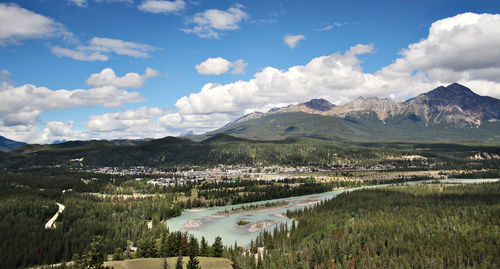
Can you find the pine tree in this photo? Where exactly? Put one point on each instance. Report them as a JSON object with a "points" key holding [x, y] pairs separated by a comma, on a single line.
{"points": [[259, 262], [178, 264], [162, 248], [193, 246], [184, 243], [203, 247], [94, 255], [193, 262], [217, 247], [172, 249], [234, 260]]}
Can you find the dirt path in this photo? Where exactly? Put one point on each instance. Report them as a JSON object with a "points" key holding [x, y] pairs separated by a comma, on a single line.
{"points": [[50, 224]]}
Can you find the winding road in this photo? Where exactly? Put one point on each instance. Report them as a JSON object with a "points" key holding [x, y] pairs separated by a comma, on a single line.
{"points": [[50, 224]]}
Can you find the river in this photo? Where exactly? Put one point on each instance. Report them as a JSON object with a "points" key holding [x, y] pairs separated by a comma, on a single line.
{"points": [[209, 222]]}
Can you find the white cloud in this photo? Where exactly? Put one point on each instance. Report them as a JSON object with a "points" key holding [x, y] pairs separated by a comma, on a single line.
{"points": [[325, 76], [58, 131], [213, 66], [462, 48], [99, 49], [120, 47], [465, 47], [107, 77], [293, 40], [114, 1], [162, 6], [24, 133], [211, 22], [131, 124], [80, 55], [84, 3], [331, 26], [219, 65], [59, 128], [181, 123], [4, 75], [122, 120], [238, 67], [79, 3], [23, 105], [326, 28], [17, 23]]}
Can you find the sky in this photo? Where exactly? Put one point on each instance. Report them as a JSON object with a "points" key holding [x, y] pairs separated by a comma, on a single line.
{"points": [[130, 69]]}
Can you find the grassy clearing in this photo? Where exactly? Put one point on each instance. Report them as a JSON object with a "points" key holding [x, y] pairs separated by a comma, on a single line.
{"points": [[157, 263]]}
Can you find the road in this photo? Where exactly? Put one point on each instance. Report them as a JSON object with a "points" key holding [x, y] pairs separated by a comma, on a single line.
{"points": [[50, 224]]}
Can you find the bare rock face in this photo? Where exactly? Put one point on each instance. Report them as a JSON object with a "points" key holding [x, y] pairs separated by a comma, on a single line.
{"points": [[250, 116], [319, 104], [314, 106], [384, 108], [454, 106]]}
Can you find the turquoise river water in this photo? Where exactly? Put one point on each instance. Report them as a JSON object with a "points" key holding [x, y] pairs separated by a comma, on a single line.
{"points": [[209, 223]]}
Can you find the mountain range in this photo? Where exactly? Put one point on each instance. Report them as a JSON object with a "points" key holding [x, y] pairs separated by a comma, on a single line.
{"points": [[449, 114], [313, 132], [446, 113], [8, 145]]}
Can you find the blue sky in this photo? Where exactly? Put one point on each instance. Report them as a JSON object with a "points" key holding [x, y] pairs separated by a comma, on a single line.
{"points": [[49, 50]]}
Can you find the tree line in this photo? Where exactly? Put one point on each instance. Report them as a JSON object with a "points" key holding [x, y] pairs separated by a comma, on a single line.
{"points": [[412, 227]]}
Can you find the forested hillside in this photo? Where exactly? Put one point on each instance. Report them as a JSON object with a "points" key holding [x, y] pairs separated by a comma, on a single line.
{"points": [[225, 149], [429, 226]]}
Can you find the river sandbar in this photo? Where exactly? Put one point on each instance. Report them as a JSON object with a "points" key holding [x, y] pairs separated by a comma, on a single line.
{"points": [[260, 226], [194, 223]]}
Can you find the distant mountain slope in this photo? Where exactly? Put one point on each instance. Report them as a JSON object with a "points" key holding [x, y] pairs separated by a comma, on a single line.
{"points": [[219, 149], [8, 145], [366, 127], [445, 113], [453, 106]]}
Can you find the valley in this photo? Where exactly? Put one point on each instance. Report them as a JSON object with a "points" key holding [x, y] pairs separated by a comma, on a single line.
{"points": [[307, 185]]}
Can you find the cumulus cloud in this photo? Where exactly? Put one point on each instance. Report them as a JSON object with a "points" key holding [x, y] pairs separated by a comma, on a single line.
{"points": [[219, 65], [211, 22], [99, 49], [162, 6], [238, 67], [23, 105], [463, 48], [24, 133], [324, 76], [131, 124], [107, 77], [58, 131], [59, 128], [121, 120], [293, 40], [17, 24], [460, 49], [179, 123]]}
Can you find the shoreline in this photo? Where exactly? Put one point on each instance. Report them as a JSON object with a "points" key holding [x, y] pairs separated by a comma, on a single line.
{"points": [[260, 225], [192, 224]]}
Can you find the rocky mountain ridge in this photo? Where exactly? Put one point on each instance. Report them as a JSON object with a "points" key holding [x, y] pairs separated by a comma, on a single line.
{"points": [[453, 106]]}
